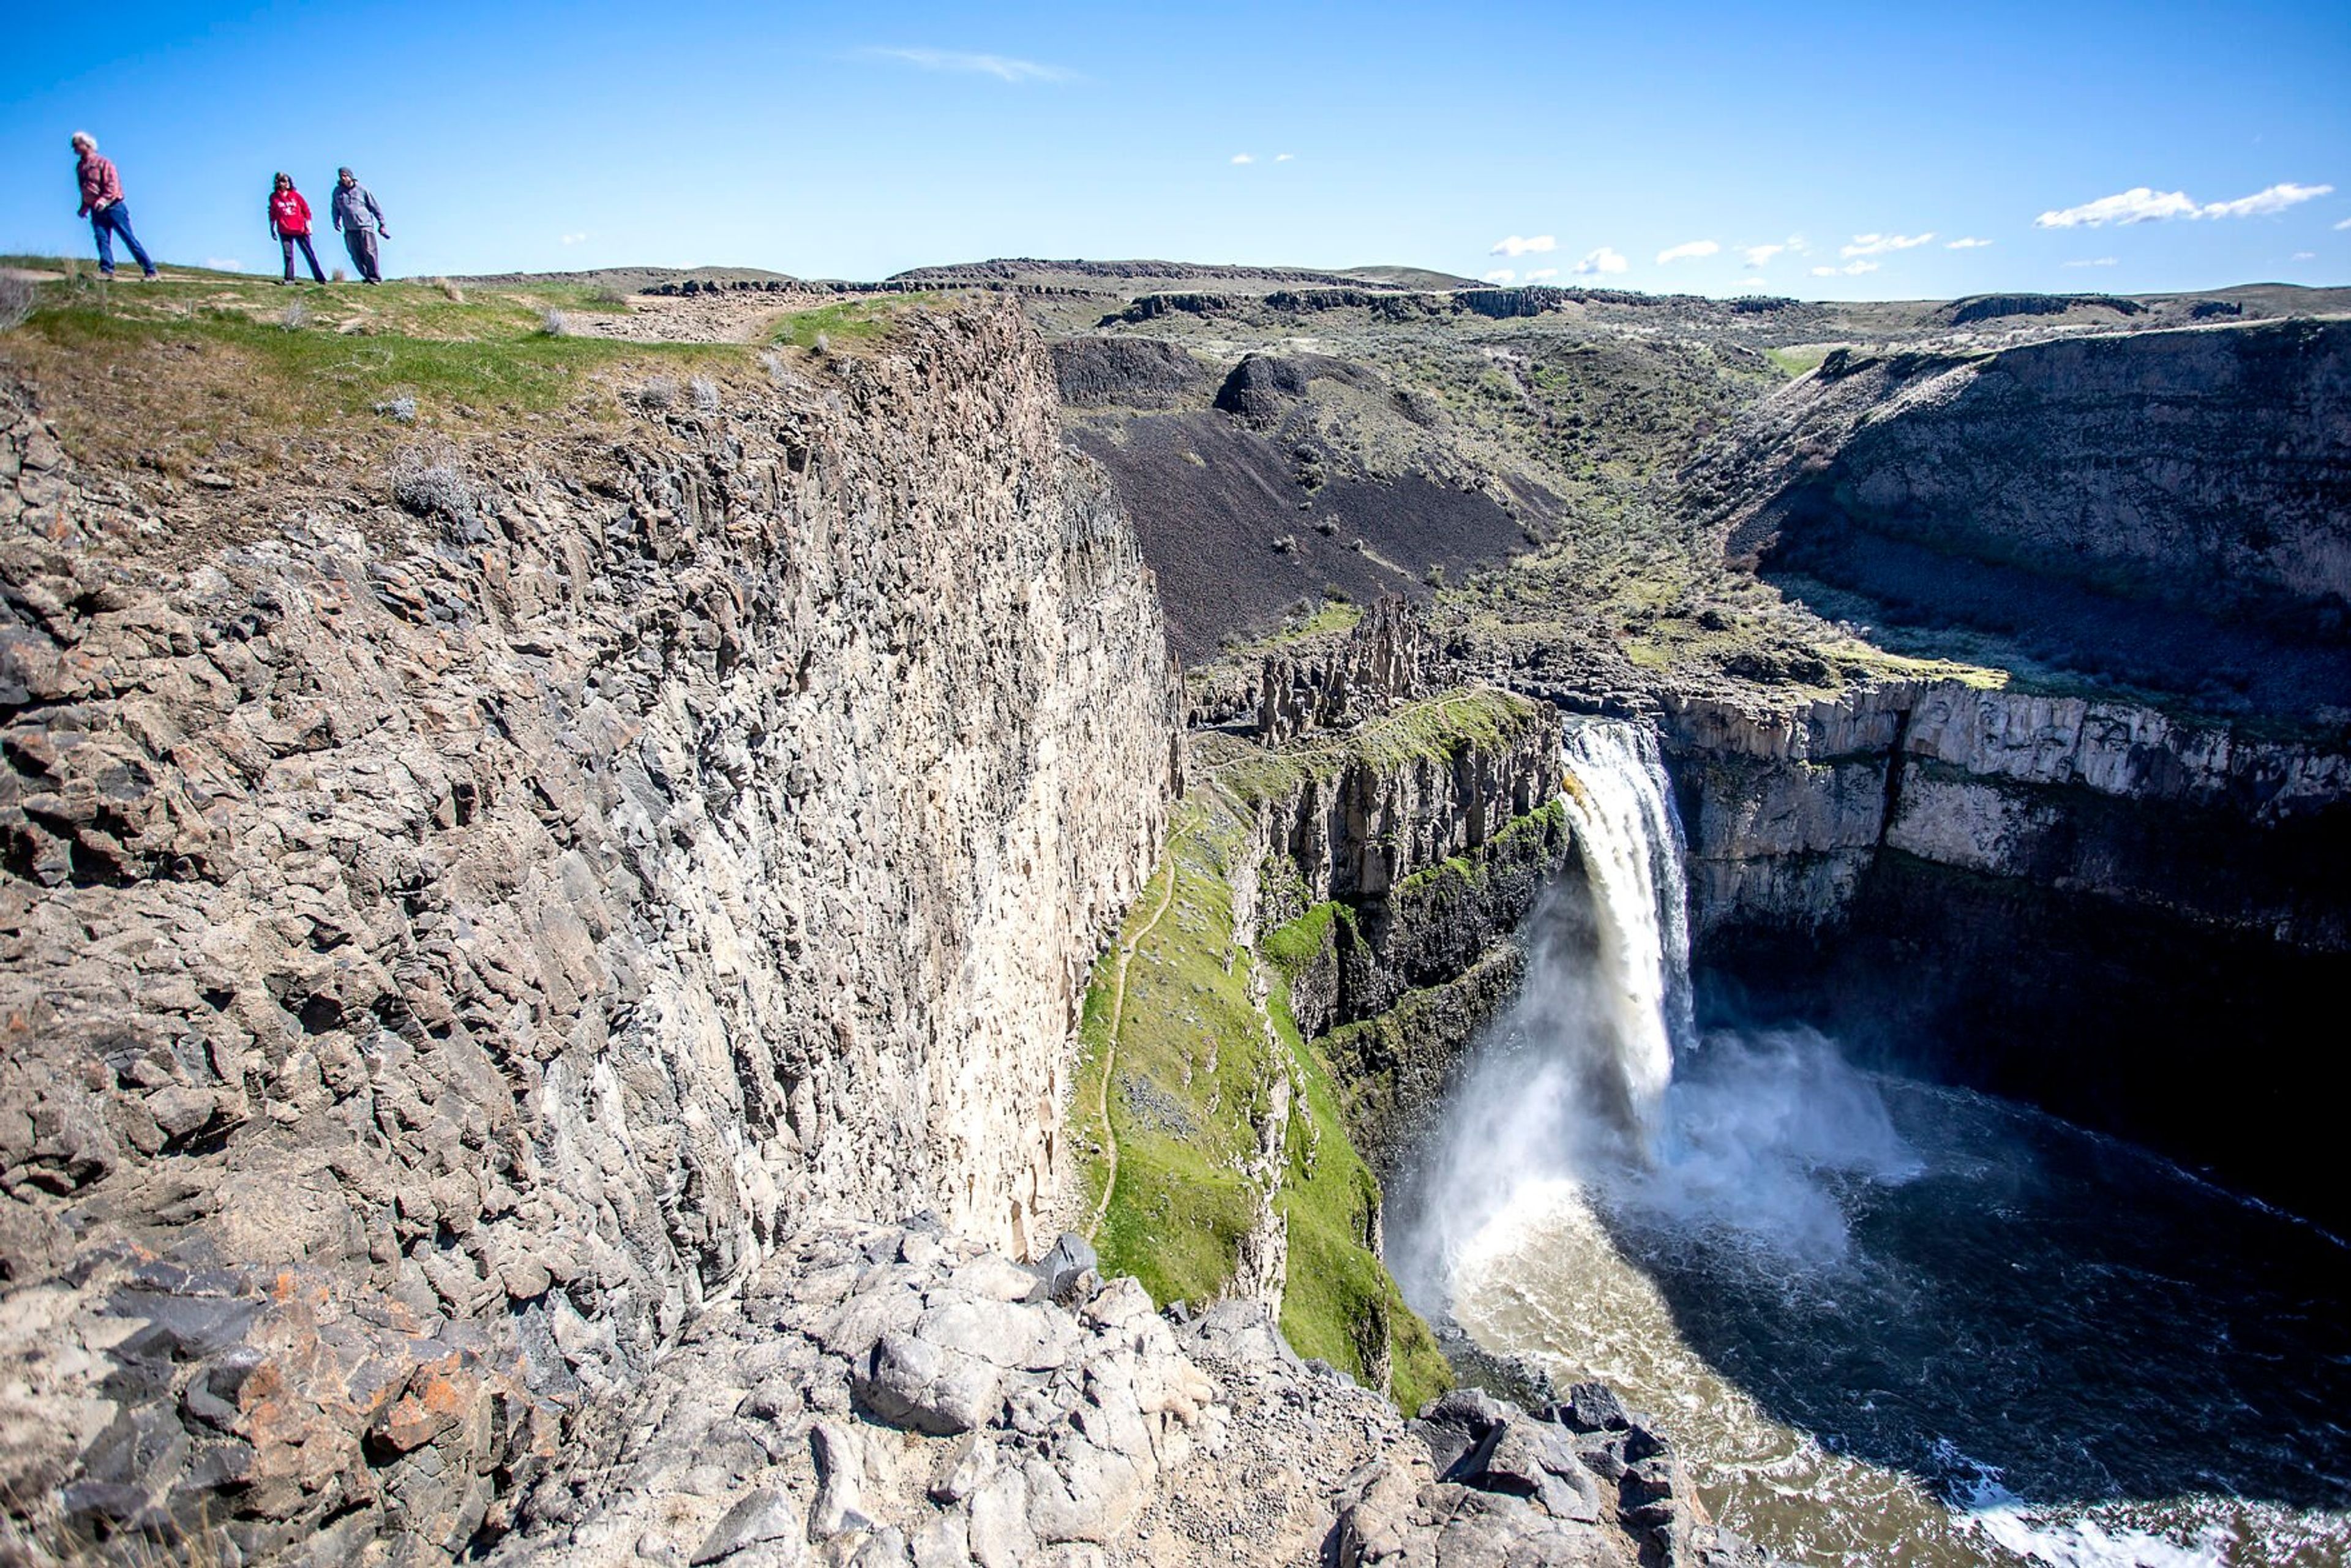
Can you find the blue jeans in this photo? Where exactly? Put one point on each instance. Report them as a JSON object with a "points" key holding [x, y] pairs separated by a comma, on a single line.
{"points": [[112, 221], [287, 244]]}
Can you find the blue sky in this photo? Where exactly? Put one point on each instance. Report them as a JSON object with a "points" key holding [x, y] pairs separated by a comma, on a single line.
{"points": [[855, 142]]}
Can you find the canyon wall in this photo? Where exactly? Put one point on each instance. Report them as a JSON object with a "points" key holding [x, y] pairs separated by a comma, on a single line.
{"points": [[2173, 508], [2129, 918], [1395, 876], [450, 935], [2111, 884]]}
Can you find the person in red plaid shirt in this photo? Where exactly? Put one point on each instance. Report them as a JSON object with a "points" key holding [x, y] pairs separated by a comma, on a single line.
{"points": [[102, 204]]}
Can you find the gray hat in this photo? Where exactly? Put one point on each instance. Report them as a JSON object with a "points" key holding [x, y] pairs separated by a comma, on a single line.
{"points": [[343, 170]]}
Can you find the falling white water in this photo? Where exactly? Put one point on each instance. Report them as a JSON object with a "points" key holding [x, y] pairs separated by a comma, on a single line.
{"points": [[1615, 795], [1575, 1079]]}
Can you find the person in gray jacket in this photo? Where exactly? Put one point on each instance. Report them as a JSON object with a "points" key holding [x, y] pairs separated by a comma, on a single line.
{"points": [[361, 220]]}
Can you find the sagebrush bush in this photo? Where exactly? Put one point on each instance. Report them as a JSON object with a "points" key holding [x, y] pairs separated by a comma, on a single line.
{"points": [[449, 289], [706, 394], [428, 479], [16, 301], [400, 410], [609, 295], [554, 323], [296, 316], [656, 395]]}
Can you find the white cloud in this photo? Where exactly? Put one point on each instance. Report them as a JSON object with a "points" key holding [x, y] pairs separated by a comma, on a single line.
{"points": [[1603, 260], [1750, 283], [2261, 204], [1516, 246], [223, 264], [2144, 205], [1878, 245], [1968, 243], [2100, 261], [2140, 205], [1500, 275], [1243, 158], [1696, 247], [1284, 157], [573, 239], [2305, 256], [1539, 274], [1003, 67], [2346, 224], [1850, 270], [1761, 255]]}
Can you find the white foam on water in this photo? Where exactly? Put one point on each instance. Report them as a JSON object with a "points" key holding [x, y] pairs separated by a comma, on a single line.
{"points": [[2058, 1540]]}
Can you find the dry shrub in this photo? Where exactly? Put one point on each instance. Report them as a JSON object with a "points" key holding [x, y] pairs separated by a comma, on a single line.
{"points": [[16, 301], [430, 480]]}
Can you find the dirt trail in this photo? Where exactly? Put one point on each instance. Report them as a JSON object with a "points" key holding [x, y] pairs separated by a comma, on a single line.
{"points": [[1110, 1052]]}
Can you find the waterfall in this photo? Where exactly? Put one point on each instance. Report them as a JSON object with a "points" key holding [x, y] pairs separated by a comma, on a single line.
{"points": [[1574, 1076], [1616, 798], [1593, 1088]]}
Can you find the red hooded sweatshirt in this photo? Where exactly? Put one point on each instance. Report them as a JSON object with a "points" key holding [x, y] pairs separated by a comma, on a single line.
{"points": [[289, 213]]}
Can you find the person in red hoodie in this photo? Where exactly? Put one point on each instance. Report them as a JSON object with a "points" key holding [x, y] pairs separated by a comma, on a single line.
{"points": [[289, 221]]}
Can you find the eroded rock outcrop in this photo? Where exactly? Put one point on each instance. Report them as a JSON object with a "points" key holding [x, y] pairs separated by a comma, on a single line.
{"points": [[1397, 861], [447, 943]]}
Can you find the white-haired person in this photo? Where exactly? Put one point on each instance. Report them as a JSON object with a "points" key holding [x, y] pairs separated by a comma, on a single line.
{"points": [[102, 204]]}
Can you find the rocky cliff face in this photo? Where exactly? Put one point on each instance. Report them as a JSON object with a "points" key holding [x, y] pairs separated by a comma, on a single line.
{"points": [[1397, 876], [2086, 904], [2168, 507], [448, 941]]}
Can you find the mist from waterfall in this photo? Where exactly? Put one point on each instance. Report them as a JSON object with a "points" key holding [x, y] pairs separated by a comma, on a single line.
{"points": [[1595, 1083]]}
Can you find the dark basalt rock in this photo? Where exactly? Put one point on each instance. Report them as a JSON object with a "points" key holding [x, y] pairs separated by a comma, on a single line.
{"points": [[1125, 372], [1262, 388]]}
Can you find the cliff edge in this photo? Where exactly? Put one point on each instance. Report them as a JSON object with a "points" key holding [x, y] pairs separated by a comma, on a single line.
{"points": [[464, 901]]}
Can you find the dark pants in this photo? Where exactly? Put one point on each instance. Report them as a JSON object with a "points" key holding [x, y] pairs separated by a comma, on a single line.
{"points": [[108, 222], [287, 244], [360, 242]]}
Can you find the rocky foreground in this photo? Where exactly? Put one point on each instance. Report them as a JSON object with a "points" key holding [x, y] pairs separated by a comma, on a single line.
{"points": [[887, 1395]]}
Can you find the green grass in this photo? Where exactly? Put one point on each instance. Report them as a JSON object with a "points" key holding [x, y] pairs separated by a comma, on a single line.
{"points": [[179, 377], [1192, 1080], [852, 321], [315, 373], [1191, 1039], [1293, 946], [1437, 730], [1331, 615], [1797, 360], [1339, 1301]]}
